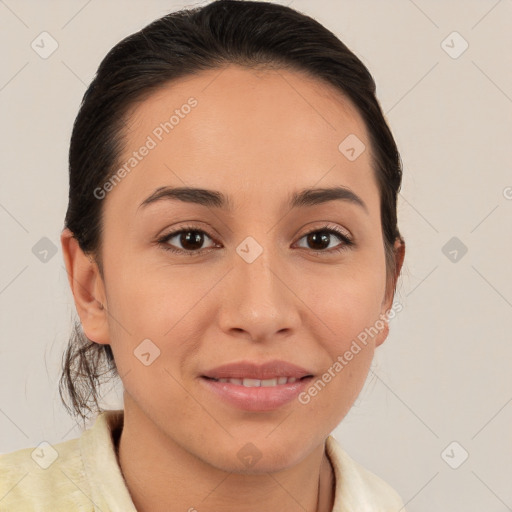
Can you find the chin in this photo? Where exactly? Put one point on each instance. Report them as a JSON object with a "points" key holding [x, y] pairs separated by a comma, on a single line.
{"points": [[260, 457]]}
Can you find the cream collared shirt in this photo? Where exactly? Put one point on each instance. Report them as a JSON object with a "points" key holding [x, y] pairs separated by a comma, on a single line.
{"points": [[82, 475]]}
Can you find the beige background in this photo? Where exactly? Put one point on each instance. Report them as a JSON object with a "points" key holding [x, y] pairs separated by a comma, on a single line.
{"points": [[444, 374]]}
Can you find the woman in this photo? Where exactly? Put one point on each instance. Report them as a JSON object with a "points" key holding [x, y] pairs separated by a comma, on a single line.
{"points": [[232, 246]]}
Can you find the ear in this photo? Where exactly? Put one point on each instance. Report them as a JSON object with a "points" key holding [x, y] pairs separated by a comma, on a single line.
{"points": [[87, 288], [399, 248]]}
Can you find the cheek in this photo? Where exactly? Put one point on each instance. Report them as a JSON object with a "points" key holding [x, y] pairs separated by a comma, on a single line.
{"points": [[152, 325], [153, 296], [346, 301], [168, 306], [344, 331], [345, 319]]}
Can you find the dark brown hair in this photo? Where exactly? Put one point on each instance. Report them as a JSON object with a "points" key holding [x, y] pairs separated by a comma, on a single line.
{"points": [[253, 34]]}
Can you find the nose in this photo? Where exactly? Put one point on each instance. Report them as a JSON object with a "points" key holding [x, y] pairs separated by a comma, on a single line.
{"points": [[258, 299]]}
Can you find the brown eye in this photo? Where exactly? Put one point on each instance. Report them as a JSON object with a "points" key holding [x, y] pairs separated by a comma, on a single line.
{"points": [[191, 240], [186, 241], [320, 240]]}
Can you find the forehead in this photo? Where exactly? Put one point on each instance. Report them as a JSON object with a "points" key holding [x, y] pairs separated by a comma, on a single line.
{"points": [[256, 135]]}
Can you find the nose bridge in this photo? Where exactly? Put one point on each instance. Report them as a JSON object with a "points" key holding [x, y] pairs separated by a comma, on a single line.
{"points": [[256, 268], [259, 303]]}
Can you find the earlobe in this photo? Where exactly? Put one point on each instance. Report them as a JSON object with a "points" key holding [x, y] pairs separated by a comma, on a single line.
{"points": [[383, 334], [399, 249], [87, 287]]}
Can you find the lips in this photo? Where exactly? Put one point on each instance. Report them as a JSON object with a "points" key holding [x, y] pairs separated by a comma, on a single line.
{"points": [[249, 371], [254, 383]]}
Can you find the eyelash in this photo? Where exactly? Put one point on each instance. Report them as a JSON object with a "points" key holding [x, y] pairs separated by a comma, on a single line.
{"points": [[347, 242]]}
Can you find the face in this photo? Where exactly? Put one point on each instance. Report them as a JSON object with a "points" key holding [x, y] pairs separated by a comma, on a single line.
{"points": [[254, 279]]}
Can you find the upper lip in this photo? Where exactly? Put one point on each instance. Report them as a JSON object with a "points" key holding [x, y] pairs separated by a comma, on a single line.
{"points": [[250, 370]]}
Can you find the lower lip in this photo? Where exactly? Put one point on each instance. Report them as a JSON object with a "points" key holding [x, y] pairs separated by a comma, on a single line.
{"points": [[260, 398]]}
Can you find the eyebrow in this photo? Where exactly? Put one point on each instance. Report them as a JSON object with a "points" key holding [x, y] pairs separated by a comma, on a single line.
{"points": [[215, 199]]}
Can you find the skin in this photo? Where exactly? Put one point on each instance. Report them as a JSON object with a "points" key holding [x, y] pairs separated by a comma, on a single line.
{"points": [[256, 136]]}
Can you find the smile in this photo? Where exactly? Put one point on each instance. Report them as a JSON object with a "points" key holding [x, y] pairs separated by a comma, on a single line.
{"points": [[252, 383], [258, 395]]}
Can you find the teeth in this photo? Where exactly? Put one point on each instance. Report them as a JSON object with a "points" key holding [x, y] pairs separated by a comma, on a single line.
{"points": [[251, 383]]}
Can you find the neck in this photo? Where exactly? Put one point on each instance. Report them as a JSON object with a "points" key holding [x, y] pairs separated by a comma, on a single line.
{"points": [[162, 476]]}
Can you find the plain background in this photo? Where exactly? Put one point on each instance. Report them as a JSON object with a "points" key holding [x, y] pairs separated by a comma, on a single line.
{"points": [[443, 375]]}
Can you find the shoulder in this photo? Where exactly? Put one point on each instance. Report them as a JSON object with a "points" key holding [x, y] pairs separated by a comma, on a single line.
{"points": [[357, 488], [48, 475], [80, 474]]}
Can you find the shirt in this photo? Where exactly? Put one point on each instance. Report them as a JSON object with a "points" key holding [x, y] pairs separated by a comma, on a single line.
{"points": [[83, 475]]}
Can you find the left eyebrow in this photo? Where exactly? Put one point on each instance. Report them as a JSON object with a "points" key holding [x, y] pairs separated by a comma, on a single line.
{"points": [[315, 196], [216, 199]]}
